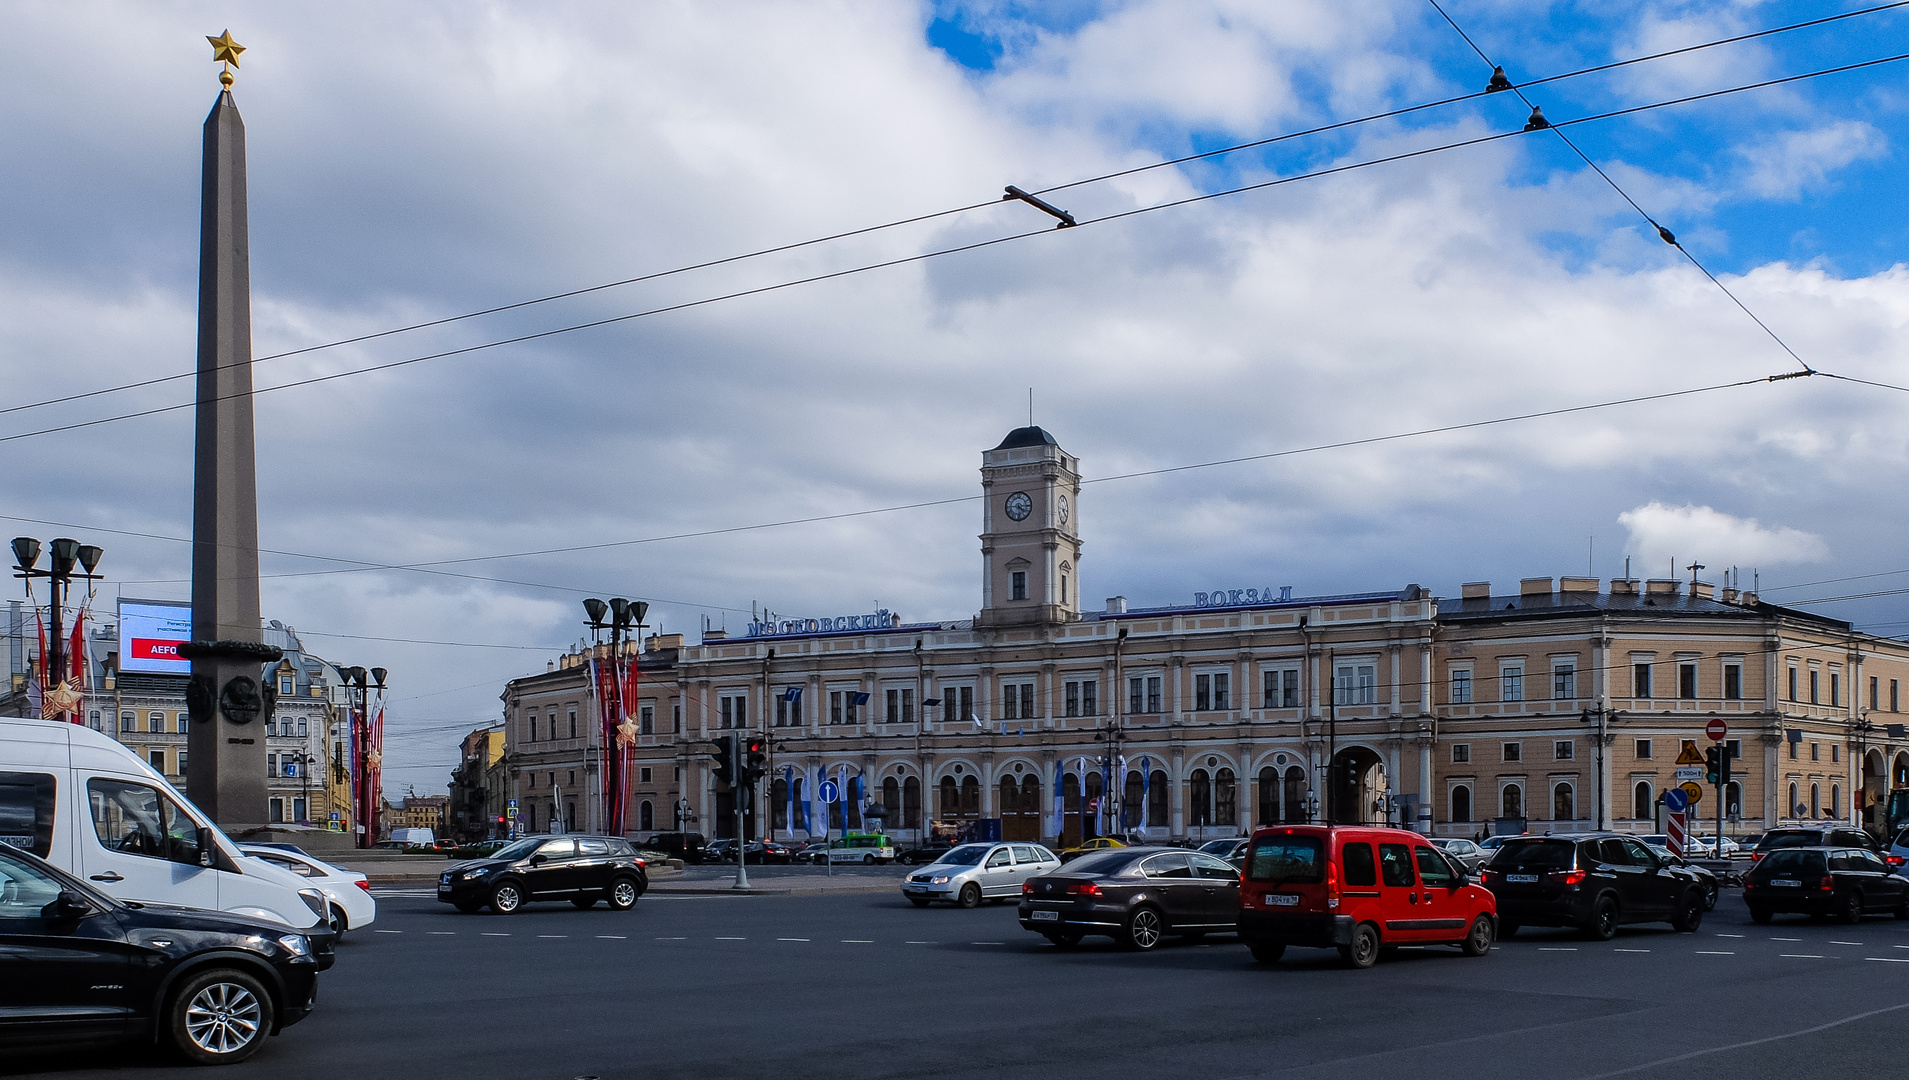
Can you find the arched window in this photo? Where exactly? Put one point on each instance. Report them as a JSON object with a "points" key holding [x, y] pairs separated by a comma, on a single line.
{"points": [[1157, 800], [1512, 799], [1564, 803], [1835, 800], [1225, 798], [1200, 800], [1268, 796], [645, 816], [950, 798], [779, 803], [1132, 809], [891, 799], [1795, 809], [911, 803], [1816, 800], [1642, 805], [971, 796], [1010, 797], [1733, 799], [1093, 810], [1293, 793], [1462, 803], [1031, 796]]}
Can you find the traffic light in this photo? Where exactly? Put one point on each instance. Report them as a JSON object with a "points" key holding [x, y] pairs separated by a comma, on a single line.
{"points": [[725, 755], [1723, 766], [1713, 765], [755, 759]]}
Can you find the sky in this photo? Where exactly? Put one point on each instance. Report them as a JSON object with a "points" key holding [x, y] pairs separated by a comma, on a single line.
{"points": [[412, 163]]}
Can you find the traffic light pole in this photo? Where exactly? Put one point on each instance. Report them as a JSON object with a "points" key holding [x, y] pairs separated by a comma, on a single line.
{"points": [[740, 784]]}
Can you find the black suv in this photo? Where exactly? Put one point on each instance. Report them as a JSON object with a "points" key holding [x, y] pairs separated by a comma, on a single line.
{"points": [[1846, 882], [1795, 836], [687, 846], [80, 966], [1593, 881], [580, 869]]}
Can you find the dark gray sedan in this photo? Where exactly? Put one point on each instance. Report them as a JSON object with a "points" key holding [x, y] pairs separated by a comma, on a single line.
{"points": [[1135, 895]]}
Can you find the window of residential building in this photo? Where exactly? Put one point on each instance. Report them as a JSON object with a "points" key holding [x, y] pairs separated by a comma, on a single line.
{"points": [[1143, 694], [1461, 686], [1461, 808], [285, 686], [1733, 681], [1733, 747], [901, 704], [1642, 804], [1875, 692], [733, 710], [1461, 753], [271, 725], [1281, 688], [158, 758], [1895, 696], [1017, 585], [1513, 801], [643, 775], [301, 727], [1835, 800], [1792, 751], [1563, 749], [1816, 751], [788, 713], [1511, 678], [182, 762], [646, 721], [1687, 681], [957, 702], [94, 720], [1835, 753], [1356, 684], [1643, 749], [1814, 676], [1793, 696], [271, 764], [1640, 680], [836, 706], [1564, 680], [1017, 701], [155, 721], [1816, 800], [676, 718], [1733, 799], [128, 721], [1513, 752], [1083, 697], [533, 728], [573, 723], [1211, 692], [1564, 803], [1835, 688]]}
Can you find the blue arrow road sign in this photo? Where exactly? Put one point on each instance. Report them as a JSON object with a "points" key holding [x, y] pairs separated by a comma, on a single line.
{"points": [[829, 791], [1675, 801]]}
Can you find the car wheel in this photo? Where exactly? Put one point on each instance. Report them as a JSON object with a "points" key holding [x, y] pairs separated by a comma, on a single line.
{"points": [[1710, 895], [507, 898], [1759, 914], [584, 902], [1065, 939], [1267, 952], [1143, 930], [1603, 924], [1690, 912], [868, 860], [1364, 950], [1478, 942], [339, 923], [623, 894], [219, 1017], [1507, 929], [970, 895], [918, 901], [1852, 907]]}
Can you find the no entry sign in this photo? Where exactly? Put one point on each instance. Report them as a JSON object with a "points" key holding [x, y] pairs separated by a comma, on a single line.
{"points": [[1716, 729]]}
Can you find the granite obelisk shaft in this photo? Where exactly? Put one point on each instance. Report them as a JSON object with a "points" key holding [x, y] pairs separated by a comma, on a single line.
{"points": [[226, 772]]}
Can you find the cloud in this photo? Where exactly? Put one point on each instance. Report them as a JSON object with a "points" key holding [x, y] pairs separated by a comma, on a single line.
{"points": [[1784, 166], [1660, 533]]}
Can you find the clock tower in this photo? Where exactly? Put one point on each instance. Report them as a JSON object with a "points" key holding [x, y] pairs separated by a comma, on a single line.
{"points": [[1030, 548]]}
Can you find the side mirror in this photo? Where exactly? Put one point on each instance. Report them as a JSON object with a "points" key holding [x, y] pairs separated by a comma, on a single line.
{"points": [[67, 906], [538, 859], [204, 838]]}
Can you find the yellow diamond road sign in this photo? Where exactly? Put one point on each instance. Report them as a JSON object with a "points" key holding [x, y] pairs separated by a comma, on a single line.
{"points": [[1690, 756]]}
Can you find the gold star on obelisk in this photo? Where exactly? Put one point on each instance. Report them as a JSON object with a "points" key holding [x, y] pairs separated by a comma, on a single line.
{"points": [[225, 51], [61, 699], [626, 733]]}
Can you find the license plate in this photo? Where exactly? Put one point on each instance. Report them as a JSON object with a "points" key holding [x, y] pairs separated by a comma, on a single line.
{"points": [[1046, 916], [1282, 900], [1790, 884], [443, 888], [1522, 879]]}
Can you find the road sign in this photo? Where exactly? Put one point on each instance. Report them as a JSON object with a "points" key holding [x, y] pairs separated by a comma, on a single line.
{"points": [[1674, 800], [510, 812], [512, 803], [828, 791], [1692, 791], [1690, 772], [1689, 754], [1675, 831], [1716, 729]]}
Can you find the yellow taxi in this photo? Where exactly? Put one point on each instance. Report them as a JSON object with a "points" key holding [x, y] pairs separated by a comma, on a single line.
{"points": [[1098, 843]]}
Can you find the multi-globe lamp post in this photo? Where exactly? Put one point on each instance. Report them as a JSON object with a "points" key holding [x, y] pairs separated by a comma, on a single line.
{"points": [[367, 750], [64, 553], [617, 728]]}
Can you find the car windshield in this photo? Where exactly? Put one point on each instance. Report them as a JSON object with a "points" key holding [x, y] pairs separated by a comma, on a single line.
{"points": [[1799, 838], [1535, 854], [1794, 862], [1298, 859], [519, 850], [965, 855]]}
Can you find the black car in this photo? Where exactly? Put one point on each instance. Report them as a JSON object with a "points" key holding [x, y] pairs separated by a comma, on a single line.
{"points": [[580, 869], [687, 846], [1844, 882], [79, 966], [925, 854], [1136, 895], [1592, 881], [1797, 836]]}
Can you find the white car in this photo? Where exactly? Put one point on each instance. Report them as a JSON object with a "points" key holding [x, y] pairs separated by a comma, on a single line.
{"points": [[346, 891], [972, 873]]}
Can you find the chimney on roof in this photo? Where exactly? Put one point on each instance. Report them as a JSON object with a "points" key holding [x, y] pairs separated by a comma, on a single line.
{"points": [[1623, 586], [1474, 590], [1750, 599], [1658, 586], [1728, 596], [1116, 605], [1701, 590], [1577, 584], [1534, 586]]}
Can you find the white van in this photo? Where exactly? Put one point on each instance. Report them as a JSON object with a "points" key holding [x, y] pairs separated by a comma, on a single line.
{"points": [[89, 806]]}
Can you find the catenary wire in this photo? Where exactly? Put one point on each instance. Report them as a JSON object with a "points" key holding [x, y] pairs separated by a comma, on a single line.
{"points": [[958, 249], [783, 248]]}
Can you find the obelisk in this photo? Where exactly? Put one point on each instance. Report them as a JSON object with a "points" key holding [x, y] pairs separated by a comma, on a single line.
{"points": [[227, 704]]}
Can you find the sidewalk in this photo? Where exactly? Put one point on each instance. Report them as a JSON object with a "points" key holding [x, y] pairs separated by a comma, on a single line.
{"points": [[418, 870]]}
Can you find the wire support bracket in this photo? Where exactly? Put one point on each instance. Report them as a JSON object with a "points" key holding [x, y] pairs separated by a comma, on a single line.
{"points": [[1066, 219]]}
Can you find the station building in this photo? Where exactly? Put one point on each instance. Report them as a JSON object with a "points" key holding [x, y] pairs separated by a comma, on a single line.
{"points": [[1549, 708]]}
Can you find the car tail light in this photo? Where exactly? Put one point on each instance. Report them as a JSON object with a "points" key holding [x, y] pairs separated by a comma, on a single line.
{"points": [[1828, 884], [640, 862], [1569, 877], [1332, 884], [1755, 857], [1027, 888], [363, 883], [1894, 860], [1088, 889]]}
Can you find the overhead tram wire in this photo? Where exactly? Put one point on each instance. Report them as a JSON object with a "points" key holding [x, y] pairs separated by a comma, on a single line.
{"points": [[797, 245], [1537, 118], [979, 245]]}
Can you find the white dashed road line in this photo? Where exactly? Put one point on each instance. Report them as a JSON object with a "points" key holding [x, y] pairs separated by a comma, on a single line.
{"points": [[1711, 952], [1845, 943], [1801, 956], [672, 939], [937, 943], [1887, 959], [987, 943], [728, 939], [1786, 939], [1550, 949], [792, 939], [387, 931], [1730, 935], [1631, 950], [442, 933], [856, 941], [613, 937], [489, 934]]}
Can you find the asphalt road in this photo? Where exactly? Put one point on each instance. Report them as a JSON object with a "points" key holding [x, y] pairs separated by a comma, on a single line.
{"points": [[863, 985]]}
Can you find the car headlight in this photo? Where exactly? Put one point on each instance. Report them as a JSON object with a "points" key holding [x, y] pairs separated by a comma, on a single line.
{"points": [[941, 880], [295, 944], [317, 902], [477, 873]]}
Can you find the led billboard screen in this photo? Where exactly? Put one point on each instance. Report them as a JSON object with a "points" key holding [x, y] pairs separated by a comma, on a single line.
{"points": [[149, 635]]}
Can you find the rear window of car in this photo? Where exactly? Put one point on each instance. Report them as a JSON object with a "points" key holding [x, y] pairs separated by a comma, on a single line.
{"points": [[1794, 862], [1100, 862], [1794, 838], [1298, 859], [1536, 854]]}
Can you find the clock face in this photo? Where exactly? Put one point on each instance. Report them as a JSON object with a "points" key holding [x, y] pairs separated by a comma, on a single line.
{"points": [[1063, 509], [1020, 506]]}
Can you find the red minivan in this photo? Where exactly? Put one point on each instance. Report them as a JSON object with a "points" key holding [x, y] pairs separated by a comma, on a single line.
{"points": [[1357, 889]]}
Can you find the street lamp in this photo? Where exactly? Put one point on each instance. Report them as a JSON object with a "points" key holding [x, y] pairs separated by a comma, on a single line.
{"points": [[59, 574], [623, 615], [368, 751]]}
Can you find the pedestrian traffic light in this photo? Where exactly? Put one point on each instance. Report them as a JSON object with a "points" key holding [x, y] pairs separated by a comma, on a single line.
{"points": [[1713, 765], [725, 755], [755, 760]]}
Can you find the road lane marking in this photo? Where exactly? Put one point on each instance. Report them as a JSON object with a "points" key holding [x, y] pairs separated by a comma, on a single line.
{"points": [[1801, 956], [1730, 935], [1786, 939], [489, 934], [856, 941], [1546, 949], [987, 943], [387, 931], [1631, 950], [728, 939], [613, 937], [1712, 952], [937, 943], [553, 935], [1887, 959], [1845, 943], [442, 933], [792, 939], [672, 939]]}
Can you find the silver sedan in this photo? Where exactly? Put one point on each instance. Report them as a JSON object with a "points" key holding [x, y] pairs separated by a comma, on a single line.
{"points": [[971, 873]]}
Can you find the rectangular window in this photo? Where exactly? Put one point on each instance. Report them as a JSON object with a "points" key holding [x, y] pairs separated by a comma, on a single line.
{"points": [[1461, 753], [1734, 747], [1564, 680], [733, 710], [901, 704], [835, 706], [1640, 680], [1643, 749], [1793, 696], [1202, 693], [1835, 688], [301, 727], [1222, 691], [1687, 681], [271, 765], [1017, 585], [278, 810], [1835, 752], [573, 723], [643, 775], [676, 718], [1814, 676], [1733, 682], [298, 809], [1082, 698], [179, 721], [1895, 696], [285, 686], [1355, 684], [1875, 692], [1143, 694], [1281, 688], [646, 720], [182, 763], [1017, 701], [957, 703], [1563, 750], [1071, 700], [271, 726], [159, 761], [1512, 680], [1514, 751], [128, 721], [1461, 686], [1816, 751], [533, 728]]}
